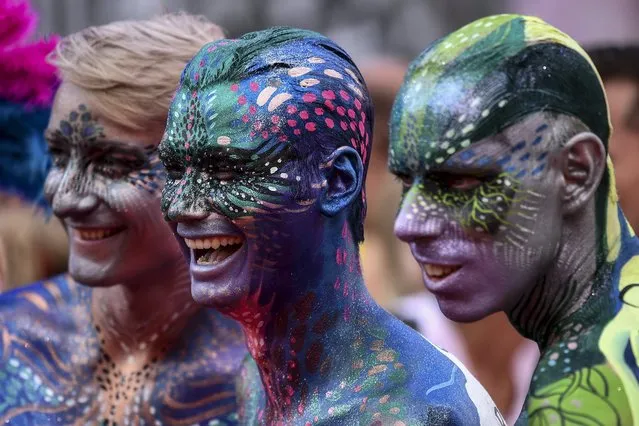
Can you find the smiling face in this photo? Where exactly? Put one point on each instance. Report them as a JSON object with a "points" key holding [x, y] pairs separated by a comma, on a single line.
{"points": [[232, 189], [489, 212], [246, 143], [105, 186]]}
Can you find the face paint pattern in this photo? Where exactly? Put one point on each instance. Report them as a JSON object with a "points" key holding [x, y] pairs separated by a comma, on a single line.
{"points": [[107, 191], [459, 101], [118, 163], [242, 157]]}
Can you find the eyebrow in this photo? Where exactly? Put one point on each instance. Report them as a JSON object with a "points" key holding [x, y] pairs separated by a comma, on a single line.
{"points": [[106, 146]]}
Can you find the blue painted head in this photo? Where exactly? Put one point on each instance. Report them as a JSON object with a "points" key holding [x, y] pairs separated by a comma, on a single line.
{"points": [[254, 131]]}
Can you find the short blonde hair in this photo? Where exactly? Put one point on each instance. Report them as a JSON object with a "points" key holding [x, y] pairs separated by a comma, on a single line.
{"points": [[131, 69]]}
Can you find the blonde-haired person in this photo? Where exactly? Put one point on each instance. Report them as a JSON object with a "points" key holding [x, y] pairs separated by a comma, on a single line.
{"points": [[118, 339]]}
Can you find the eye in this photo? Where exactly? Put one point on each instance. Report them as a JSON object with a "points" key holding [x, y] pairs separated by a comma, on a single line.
{"points": [[406, 180], [464, 183], [59, 156], [223, 175], [117, 166], [174, 173]]}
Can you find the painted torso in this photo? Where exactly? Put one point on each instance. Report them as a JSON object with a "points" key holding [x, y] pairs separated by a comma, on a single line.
{"points": [[397, 379], [348, 361], [592, 373], [54, 370]]}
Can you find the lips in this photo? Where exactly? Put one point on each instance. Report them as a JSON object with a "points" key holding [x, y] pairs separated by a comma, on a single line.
{"points": [[217, 248], [95, 234], [439, 272]]}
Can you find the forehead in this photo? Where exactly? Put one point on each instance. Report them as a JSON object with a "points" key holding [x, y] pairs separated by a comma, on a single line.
{"points": [[415, 153], [75, 116], [268, 112]]}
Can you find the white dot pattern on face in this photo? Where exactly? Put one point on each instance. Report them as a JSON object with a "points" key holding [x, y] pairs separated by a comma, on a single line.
{"points": [[444, 149]]}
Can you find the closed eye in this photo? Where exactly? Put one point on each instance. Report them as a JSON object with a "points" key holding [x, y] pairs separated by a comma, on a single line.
{"points": [[223, 175], [464, 183], [460, 182], [59, 156], [406, 180], [174, 173]]}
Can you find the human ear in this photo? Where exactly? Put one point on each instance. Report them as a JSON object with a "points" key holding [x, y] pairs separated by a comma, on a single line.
{"points": [[344, 174], [584, 161]]}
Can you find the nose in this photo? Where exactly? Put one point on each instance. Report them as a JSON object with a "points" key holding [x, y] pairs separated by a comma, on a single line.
{"points": [[415, 221], [181, 210], [71, 192], [70, 203]]}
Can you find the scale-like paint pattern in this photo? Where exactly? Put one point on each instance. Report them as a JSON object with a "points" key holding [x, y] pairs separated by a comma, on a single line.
{"points": [[487, 105]]}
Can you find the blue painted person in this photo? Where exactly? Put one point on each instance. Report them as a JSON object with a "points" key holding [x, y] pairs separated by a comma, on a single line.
{"points": [[266, 149]]}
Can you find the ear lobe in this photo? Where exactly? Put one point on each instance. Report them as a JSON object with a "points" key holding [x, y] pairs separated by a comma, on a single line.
{"points": [[344, 175], [585, 162]]}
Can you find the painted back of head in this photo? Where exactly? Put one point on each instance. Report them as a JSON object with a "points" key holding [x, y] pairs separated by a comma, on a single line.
{"points": [[487, 76], [294, 92], [26, 93]]}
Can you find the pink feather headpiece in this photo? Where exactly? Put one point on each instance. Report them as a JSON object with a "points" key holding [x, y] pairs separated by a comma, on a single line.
{"points": [[25, 75]]}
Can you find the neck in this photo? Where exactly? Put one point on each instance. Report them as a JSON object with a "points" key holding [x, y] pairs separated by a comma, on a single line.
{"points": [[565, 301], [139, 318], [315, 313]]}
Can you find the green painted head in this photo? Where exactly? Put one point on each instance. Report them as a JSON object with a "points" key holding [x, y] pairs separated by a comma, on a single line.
{"points": [[480, 134]]}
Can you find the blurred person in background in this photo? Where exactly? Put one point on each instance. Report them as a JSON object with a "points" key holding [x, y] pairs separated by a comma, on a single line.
{"points": [[31, 246], [491, 348], [619, 70], [117, 340], [381, 252]]}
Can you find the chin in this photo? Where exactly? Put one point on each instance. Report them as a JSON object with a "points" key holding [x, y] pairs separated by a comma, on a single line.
{"points": [[95, 274], [225, 298], [464, 311], [90, 279]]}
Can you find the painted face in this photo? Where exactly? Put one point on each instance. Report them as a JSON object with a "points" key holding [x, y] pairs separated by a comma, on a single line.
{"points": [[243, 194], [480, 216], [105, 186]]}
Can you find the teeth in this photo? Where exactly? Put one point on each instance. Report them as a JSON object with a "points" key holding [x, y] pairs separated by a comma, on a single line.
{"points": [[439, 271], [96, 234], [214, 243]]}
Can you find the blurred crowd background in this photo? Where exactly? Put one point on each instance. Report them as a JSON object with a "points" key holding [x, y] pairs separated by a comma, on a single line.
{"points": [[382, 36]]}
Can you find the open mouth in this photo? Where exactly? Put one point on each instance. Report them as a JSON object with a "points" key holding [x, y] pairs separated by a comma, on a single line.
{"points": [[95, 234], [209, 251], [439, 272]]}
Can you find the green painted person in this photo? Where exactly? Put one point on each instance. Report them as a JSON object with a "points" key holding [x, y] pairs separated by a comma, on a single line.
{"points": [[500, 134]]}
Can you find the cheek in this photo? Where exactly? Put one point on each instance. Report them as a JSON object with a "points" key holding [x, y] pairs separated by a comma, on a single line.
{"points": [[531, 231], [52, 183], [133, 201]]}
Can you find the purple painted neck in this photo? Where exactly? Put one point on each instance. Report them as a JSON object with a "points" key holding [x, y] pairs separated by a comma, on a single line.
{"points": [[302, 340]]}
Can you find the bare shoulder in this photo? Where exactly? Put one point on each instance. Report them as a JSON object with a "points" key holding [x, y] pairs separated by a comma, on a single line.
{"points": [[44, 313]]}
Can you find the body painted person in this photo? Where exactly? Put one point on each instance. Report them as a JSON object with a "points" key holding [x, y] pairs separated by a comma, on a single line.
{"points": [[266, 149], [119, 339], [30, 248], [500, 135]]}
